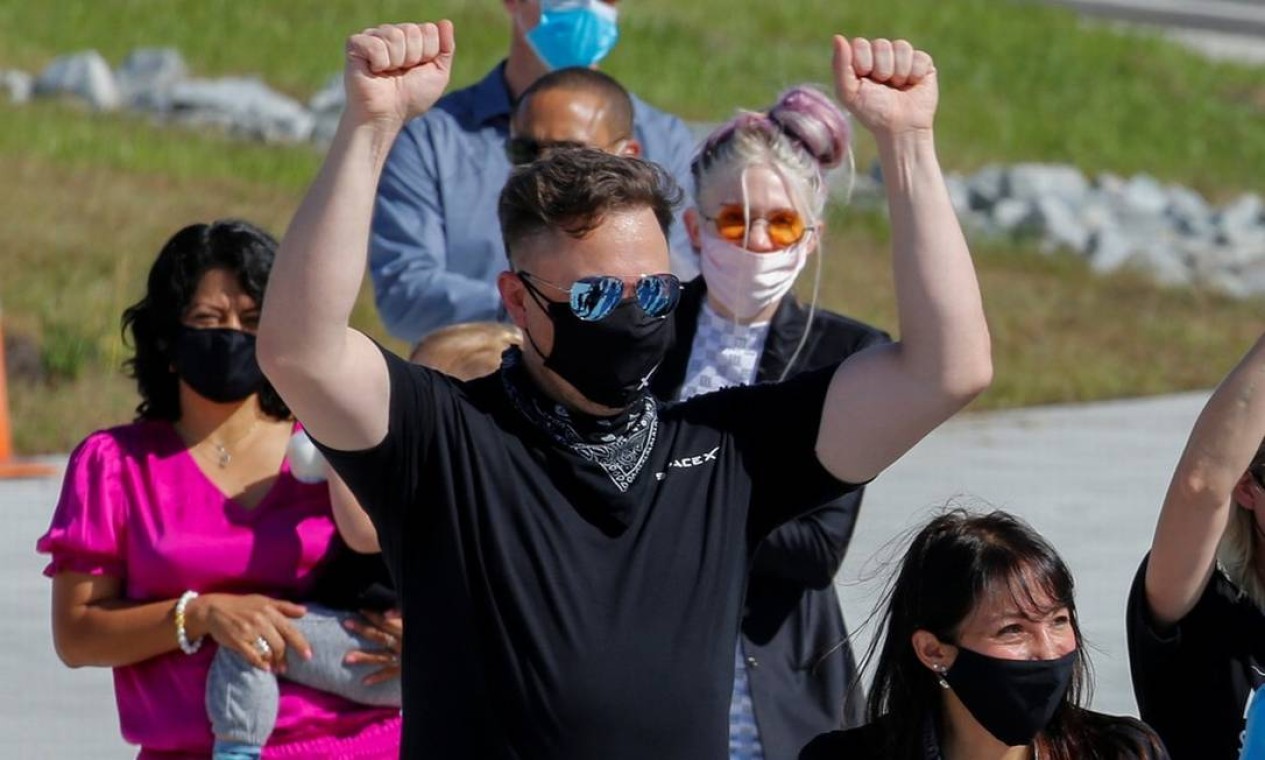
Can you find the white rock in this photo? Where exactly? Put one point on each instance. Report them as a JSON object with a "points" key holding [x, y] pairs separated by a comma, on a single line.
{"points": [[1144, 195], [244, 106], [987, 187], [1109, 250], [147, 75], [1032, 182], [1241, 221], [1058, 224], [82, 75], [1009, 214], [18, 85], [1164, 262]]}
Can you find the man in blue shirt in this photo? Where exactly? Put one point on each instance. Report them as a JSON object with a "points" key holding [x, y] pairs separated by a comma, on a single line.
{"points": [[436, 248]]}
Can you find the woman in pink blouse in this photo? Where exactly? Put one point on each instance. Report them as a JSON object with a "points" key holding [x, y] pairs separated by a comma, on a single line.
{"points": [[187, 527]]}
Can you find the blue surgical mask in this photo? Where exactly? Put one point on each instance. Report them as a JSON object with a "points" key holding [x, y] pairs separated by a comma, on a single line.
{"points": [[574, 32]]}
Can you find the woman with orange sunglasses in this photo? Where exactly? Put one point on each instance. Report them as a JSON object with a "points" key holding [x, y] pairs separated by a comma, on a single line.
{"points": [[760, 192]]}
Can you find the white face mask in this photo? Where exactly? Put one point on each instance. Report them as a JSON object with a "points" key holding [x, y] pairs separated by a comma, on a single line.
{"points": [[745, 282]]}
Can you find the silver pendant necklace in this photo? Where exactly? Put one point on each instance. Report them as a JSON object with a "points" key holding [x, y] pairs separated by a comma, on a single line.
{"points": [[224, 457]]}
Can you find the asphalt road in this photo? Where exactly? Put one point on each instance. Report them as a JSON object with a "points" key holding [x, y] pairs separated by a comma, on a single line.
{"points": [[1240, 17]]}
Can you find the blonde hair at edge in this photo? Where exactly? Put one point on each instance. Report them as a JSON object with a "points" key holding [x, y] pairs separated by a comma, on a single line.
{"points": [[1238, 548], [468, 350], [802, 137], [751, 142]]}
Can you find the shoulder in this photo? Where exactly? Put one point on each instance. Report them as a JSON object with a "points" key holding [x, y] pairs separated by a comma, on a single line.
{"points": [[653, 122], [1220, 597], [1123, 737], [643, 112], [124, 442], [854, 744]]}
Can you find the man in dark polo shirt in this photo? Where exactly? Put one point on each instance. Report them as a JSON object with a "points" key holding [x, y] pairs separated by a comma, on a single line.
{"points": [[570, 553]]}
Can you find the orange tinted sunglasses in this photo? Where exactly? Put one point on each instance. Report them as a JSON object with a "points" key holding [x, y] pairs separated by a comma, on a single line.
{"points": [[785, 226]]}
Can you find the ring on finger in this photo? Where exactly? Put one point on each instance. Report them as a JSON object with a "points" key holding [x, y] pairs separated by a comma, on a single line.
{"points": [[262, 647]]}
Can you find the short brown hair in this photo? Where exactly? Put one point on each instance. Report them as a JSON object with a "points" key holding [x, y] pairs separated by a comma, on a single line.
{"points": [[573, 190], [468, 350]]}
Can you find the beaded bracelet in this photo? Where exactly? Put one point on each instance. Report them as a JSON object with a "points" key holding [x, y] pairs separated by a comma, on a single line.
{"points": [[186, 646]]}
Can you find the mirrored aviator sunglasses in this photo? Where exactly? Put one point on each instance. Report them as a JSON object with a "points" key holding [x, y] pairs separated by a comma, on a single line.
{"points": [[594, 298]]}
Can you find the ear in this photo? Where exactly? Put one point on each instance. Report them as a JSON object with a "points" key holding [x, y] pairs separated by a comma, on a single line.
{"points": [[1246, 492], [632, 148], [937, 656], [513, 295], [818, 236], [692, 228]]}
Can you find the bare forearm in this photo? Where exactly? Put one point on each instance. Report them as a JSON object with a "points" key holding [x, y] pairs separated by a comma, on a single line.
{"points": [[1230, 428], [1200, 497], [116, 633], [944, 336], [321, 261]]}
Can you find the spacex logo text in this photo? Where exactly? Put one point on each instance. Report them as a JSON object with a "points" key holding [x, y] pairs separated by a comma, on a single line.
{"points": [[704, 458]]}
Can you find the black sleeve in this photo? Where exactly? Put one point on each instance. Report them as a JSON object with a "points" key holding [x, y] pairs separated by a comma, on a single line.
{"points": [[1150, 649], [774, 426], [809, 549], [823, 747], [385, 477]]}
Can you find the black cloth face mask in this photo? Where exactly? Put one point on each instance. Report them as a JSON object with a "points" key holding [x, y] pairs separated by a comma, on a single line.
{"points": [[609, 360], [1013, 700], [218, 363]]}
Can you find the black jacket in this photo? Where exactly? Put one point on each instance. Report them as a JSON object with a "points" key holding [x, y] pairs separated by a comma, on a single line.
{"points": [[802, 672], [1114, 739]]}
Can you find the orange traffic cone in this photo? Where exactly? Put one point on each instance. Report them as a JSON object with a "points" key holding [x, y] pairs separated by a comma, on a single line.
{"points": [[9, 466]]}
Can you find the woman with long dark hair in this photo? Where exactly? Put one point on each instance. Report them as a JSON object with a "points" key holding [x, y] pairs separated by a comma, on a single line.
{"points": [[189, 527], [982, 657]]}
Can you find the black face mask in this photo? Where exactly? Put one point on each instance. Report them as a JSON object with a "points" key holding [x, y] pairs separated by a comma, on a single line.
{"points": [[1013, 700], [218, 363], [609, 360]]}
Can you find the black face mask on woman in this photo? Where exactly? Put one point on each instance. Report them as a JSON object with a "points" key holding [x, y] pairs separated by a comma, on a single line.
{"points": [[1013, 700], [609, 360], [218, 363]]}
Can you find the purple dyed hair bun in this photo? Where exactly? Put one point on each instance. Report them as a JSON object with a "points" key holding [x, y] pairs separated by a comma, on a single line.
{"points": [[811, 118]]}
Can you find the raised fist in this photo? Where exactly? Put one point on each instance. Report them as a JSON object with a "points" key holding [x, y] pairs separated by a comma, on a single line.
{"points": [[888, 86], [397, 71]]}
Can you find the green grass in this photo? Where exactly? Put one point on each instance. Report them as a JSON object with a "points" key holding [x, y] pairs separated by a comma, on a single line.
{"points": [[89, 198], [1021, 81]]}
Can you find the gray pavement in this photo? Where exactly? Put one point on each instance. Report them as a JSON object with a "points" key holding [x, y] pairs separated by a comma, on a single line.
{"points": [[1089, 477], [1232, 30]]}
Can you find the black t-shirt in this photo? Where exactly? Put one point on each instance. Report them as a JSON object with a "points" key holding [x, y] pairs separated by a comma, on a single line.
{"points": [[1192, 681], [353, 581], [550, 614]]}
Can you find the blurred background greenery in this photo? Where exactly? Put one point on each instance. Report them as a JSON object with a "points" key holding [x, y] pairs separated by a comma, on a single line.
{"points": [[89, 198]]}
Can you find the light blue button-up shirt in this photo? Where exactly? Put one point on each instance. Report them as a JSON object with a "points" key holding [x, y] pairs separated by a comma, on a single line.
{"points": [[435, 250]]}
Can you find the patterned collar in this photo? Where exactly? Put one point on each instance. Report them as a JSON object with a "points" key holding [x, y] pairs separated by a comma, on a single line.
{"points": [[723, 353], [620, 444]]}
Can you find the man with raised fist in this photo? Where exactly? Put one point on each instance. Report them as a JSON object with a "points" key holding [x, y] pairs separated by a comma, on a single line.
{"points": [[570, 554], [435, 249]]}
